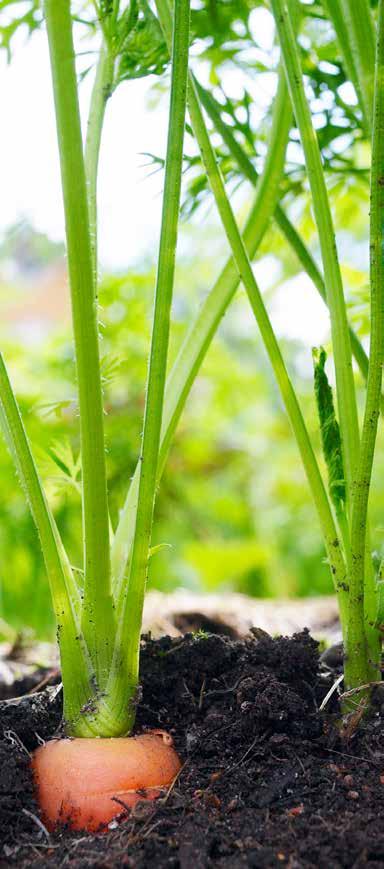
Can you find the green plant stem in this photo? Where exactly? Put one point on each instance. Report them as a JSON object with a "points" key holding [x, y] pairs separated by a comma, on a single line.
{"points": [[75, 664], [344, 33], [285, 225], [271, 345], [361, 37], [361, 358], [199, 336], [97, 612], [356, 668], [274, 353], [115, 10], [346, 397], [101, 92], [126, 661]]}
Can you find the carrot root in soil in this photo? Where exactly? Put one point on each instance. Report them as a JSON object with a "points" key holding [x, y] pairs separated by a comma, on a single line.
{"points": [[85, 783]]}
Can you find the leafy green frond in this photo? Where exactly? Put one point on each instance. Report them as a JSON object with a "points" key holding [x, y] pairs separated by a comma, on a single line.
{"points": [[143, 50], [110, 367], [60, 465], [106, 8], [329, 430], [379, 622], [28, 20]]}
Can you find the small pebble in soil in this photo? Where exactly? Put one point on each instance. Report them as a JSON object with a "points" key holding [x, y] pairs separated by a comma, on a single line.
{"points": [[332, 658], [348, 781]]}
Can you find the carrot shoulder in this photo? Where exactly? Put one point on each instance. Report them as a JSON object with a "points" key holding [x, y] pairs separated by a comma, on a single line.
{"points": [[85, 783]]}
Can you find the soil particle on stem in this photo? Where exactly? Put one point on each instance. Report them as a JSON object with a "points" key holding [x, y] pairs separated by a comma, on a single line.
{"points": [[265, 782]]}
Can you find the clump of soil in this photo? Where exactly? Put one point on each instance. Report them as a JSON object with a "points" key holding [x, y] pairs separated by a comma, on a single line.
{"points": [[265, 782]]}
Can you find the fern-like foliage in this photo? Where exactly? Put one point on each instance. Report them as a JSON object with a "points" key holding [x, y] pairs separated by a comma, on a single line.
{"points": [[17, 15], [329, 429], [142, 46]]}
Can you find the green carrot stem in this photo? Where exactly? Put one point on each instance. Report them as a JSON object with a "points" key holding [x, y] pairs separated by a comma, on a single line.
{"points": [[126, 660], [344, 30], [97, 612], [272, 347], [290, 233], [356, 668], [101, 92], [346, 397], [359, 26], [75, 664], [270, 342], [199, 337]]}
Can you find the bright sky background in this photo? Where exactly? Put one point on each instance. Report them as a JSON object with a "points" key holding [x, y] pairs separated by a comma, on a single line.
{"points": [[129, 200]]}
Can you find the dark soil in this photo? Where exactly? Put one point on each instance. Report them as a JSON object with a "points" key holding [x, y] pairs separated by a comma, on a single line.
{"points": [[266, 781]]}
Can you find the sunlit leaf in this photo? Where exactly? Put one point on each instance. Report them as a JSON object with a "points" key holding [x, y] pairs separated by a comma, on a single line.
{"points": [[25, 20], [143, 49]]}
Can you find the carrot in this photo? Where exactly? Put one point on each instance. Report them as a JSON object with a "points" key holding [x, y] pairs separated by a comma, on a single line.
{"points": [[85, 783]]}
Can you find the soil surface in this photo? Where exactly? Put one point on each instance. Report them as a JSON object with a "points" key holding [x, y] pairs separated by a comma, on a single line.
{"points": [[234, 614], [266, 781]]}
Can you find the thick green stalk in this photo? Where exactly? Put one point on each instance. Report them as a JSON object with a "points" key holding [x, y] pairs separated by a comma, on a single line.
{"points": [[75, 664], [126, 661], [361, 36], [270, 342], [204, 327], [101, 92], [200, 335], [286, 227], [346, 396], [356, 667], [347, 43], [97, 613], [272, 347]]}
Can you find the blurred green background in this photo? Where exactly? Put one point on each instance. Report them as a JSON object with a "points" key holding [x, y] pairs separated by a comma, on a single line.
{"points": [[233, 506]]}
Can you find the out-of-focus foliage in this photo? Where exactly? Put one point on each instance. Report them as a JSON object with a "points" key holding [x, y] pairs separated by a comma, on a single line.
{"points": [[233, 504], [16, 15], [329, 430], [233, 40], [143, 50]]}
